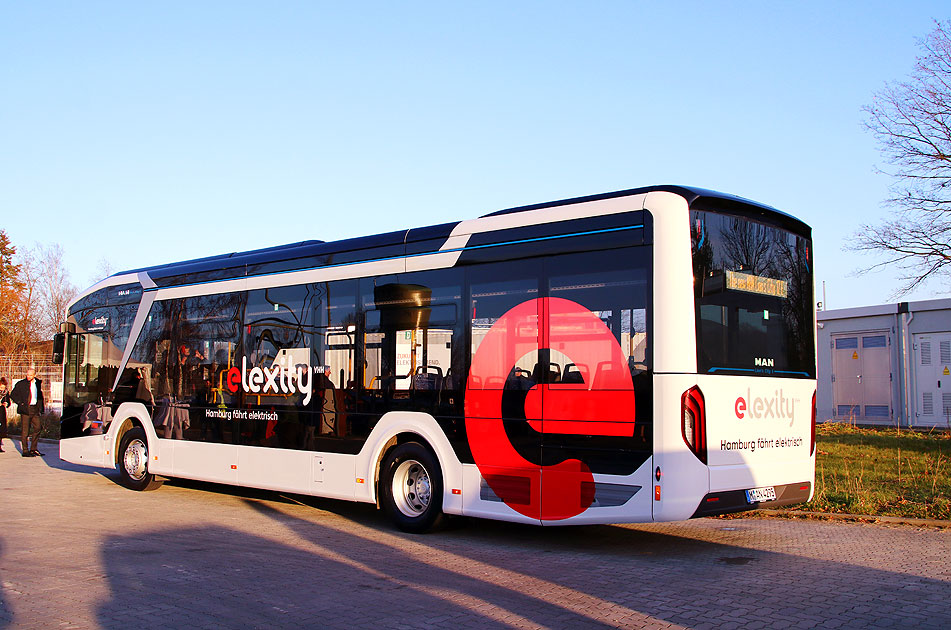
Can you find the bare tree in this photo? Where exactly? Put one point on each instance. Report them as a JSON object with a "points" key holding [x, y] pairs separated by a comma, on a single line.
{"points": [[29, 328], [56, 291], [34, 292], [912, 122], [104, 269], [747, 246]]}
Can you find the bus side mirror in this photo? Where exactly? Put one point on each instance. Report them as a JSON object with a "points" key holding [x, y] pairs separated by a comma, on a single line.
{"points": [[59, 346]]}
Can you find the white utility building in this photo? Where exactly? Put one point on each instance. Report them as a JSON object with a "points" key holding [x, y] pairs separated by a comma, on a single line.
{"points": [[887, 365]]}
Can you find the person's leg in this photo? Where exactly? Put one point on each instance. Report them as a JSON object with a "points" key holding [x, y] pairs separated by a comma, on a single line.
{"points": [[24, 434], [34, 432]]}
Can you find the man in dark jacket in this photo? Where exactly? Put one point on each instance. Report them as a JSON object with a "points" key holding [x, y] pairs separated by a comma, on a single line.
{"points": [[28, 395]]}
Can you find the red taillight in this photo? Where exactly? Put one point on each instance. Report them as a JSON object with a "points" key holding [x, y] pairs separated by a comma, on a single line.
{"points": [[812, 440], [694, 418]]}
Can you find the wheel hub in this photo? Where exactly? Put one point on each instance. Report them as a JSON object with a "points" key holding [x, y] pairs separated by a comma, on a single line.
{"points": [[135, 459], [412, 488]]}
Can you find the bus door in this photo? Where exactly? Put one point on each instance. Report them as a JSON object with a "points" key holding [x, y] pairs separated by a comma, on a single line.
{"points": [[502, 404], [593, 360]]}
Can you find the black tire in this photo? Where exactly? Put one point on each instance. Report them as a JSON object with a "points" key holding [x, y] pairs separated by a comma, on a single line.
{"points": [[411, 488], [134, 461]]}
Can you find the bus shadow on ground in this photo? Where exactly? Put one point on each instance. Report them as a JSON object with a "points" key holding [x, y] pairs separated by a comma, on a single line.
{"points": [[221, 577], [661, 577], [6, 614], [356, 572]]}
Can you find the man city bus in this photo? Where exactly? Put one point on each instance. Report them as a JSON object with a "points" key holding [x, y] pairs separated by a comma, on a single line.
{"points": [[643, 355]]}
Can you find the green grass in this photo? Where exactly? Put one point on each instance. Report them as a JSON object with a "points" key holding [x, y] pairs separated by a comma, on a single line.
{"points": [[882, 472]]}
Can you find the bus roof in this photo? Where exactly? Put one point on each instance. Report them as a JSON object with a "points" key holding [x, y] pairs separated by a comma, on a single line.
{"points": [[696, 198], [236, 264]]}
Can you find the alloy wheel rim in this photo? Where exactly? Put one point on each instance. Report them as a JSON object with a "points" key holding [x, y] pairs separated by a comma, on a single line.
{"points": [[135, 459], [412, 488]]}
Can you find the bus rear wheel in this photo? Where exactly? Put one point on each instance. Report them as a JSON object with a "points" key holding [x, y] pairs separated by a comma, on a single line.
{"points": [[134, 461], [411, 488]]}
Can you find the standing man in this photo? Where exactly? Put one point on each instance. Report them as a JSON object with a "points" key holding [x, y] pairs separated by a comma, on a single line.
{"points": [[28, 395]]}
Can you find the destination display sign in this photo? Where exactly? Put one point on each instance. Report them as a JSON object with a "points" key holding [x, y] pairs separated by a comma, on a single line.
{"points": [[736, 281]]}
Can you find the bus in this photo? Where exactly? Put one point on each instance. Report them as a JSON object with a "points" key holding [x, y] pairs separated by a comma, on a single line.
{"points": [[636, 356]]}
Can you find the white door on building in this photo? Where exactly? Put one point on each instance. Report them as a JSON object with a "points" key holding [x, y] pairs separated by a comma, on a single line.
{"points": [[933, 379], [861, 367]]}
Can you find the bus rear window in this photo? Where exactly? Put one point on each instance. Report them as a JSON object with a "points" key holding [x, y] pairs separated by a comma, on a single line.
{"points": [[753, 292]]}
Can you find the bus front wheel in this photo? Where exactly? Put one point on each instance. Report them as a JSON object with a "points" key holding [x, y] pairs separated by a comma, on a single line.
{"points": [[134, 461], [411, 488]]}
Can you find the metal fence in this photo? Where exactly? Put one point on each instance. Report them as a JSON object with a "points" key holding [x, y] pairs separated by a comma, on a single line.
{"points": [[14, 367]]}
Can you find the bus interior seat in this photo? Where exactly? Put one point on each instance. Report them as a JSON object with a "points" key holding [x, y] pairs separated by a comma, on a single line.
{"points": [[519, 379], [449, 380], [428, 377], [574, 374], [553, 373], [603, 368]]}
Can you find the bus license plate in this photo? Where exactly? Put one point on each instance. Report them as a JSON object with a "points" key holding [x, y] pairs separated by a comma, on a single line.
{"points": [[758, 495]]}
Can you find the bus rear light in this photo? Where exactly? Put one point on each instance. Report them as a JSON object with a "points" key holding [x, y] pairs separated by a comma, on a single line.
{"points": [[694, 428], [812, 439]]}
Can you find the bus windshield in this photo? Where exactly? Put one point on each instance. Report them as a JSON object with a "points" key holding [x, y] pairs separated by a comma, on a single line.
{"points": [[94, 353], [753, 294]]}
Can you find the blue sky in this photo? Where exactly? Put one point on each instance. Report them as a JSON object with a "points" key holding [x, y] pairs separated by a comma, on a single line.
{"points": [[147, 133]]}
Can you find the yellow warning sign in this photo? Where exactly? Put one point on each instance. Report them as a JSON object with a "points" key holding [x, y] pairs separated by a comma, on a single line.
{"points": [[946, 372], [855, 355]]}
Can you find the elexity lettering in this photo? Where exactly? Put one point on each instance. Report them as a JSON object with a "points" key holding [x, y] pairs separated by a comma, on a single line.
{"points": [[778, 406], [280, 378]]}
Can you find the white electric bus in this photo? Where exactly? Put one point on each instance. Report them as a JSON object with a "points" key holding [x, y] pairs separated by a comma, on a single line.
{"points": [[643, 355]]}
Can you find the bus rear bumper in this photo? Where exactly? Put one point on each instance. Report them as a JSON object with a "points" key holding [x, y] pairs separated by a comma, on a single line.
{"points": [[729, 501]]}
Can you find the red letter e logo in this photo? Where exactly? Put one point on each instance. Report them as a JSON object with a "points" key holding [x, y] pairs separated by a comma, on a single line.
{"points": [[740, 407]]}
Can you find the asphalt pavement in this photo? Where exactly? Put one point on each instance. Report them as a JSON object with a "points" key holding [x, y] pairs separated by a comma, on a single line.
{"points": [[77, 550]]}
